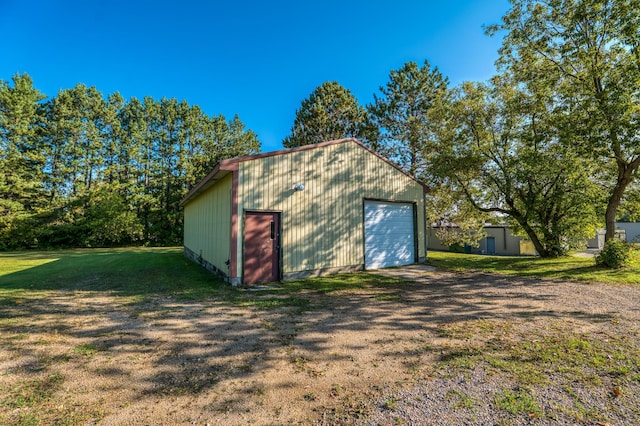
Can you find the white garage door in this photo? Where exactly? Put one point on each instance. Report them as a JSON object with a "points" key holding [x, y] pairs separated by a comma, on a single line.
{"points": [[388, 234]]}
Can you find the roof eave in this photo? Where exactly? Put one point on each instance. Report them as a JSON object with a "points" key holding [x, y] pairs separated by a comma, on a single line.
{"points": [[221, 169]]}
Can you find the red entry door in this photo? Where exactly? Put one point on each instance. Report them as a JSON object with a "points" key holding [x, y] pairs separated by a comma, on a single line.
{"points": [[261, 247]]}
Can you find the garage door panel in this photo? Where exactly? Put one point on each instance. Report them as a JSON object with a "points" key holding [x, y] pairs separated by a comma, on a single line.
{"points": [[389, 234], [394, 229], [394, 239]]}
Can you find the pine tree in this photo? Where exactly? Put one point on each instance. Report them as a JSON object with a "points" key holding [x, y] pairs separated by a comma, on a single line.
{"points": [[331, 112], [21, 160], [402, 113]]}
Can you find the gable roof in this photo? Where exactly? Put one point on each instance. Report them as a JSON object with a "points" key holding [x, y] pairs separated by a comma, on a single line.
{"points": [[225, 167]]}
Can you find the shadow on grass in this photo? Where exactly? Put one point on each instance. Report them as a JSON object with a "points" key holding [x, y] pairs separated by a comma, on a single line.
{"points": [[125, 272]]}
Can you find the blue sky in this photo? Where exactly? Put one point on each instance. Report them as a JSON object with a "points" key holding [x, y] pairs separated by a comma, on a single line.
{"points": [[258, 59]]}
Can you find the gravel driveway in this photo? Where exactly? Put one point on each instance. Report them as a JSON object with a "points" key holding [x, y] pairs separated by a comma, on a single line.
{"points": [[528, 304], [421, 352]]}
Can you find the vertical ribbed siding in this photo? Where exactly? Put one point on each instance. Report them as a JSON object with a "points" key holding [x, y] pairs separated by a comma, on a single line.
{"points": [[322, 226], [207, 224]]}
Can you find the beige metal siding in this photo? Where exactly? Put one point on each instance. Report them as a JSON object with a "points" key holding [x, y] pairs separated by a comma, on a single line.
{"points": [[434, 241], [527, 248], [207, 224], [506, 242], [322, 226], [631, 231]]}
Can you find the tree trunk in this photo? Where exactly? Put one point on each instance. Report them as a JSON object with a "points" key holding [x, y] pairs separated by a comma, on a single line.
{"points": [[540, 248], [542, 251], [625, 176], [610, 216]]}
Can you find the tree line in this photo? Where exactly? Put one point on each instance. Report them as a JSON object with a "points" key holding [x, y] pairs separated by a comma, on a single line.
{"points": [[550, 144], [83, 170]]}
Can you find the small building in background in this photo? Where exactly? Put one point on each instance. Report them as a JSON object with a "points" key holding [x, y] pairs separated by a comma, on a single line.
{"points": [[625, 231], [318, 209], [631, 231], [499, 240]]}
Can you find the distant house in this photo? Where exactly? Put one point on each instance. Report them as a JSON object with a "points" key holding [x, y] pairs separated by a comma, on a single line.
{"points": [[499, 241], [325, 208]]}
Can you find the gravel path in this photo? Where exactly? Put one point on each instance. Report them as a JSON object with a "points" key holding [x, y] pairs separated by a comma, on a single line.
{"points": [[586, 309], [371, 355]]}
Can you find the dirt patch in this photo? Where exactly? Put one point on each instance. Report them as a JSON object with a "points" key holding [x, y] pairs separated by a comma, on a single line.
{"points": [[377, 355]]}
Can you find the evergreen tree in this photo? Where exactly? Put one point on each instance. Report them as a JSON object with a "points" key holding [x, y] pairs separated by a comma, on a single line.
{"points": [[331, 112], [85, 170], [403, 115], [21, 160]]}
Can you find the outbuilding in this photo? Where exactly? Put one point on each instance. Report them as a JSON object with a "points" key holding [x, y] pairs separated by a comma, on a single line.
{"points": [[498, 240], [331, 207]]}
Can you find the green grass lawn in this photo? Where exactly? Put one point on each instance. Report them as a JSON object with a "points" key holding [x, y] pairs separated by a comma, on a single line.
{"points": [[568, 267], [131, 272], [141, 273], [145, 272]]}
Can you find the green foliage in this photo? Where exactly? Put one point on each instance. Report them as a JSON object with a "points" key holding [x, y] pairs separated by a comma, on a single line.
{"points": [[501, 152], [456, 223], [585, 53], [331, 112], [615, 254], [80, 170], [629, 210], [404, 114], [109, 221], [21, 159]]}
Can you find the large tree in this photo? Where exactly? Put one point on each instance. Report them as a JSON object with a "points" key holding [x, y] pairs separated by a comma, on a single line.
{"points": [[21, 157], [501, 152], [330, 112], [587, 53], [403, 114]]}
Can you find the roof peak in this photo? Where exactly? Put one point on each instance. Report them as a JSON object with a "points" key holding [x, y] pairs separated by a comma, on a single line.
{"points": [[290, 150], [231, 164]]}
